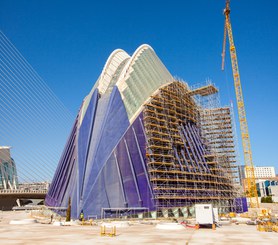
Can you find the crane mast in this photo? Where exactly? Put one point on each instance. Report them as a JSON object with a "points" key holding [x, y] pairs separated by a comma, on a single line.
{"points": [[250, 183]]}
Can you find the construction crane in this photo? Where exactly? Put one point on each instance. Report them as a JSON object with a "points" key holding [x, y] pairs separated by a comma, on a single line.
{"points": [[250, 181]]}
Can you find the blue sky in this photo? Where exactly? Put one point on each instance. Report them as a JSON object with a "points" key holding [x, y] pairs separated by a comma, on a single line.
{"points": [[68, 42]]}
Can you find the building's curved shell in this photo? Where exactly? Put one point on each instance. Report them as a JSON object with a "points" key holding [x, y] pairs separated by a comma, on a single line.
{"points": [[136, 77], [144, 74], [111, 159], [106, 116]]}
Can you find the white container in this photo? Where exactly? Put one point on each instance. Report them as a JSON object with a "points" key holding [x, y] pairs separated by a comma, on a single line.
{"points": [[204, 214], [215, 215]]}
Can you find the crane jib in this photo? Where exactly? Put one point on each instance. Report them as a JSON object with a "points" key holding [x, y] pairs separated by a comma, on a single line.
{"points": [[250, 182]]}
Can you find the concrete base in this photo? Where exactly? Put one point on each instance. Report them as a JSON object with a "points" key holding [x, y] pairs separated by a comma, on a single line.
{"points": [[23, 221], [136, 234], [169, 226]]}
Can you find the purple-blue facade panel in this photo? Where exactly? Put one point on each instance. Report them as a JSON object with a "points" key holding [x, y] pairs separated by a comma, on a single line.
{"points": [[65, 159], [186, 149], [72, 190], [126, 172], [95, 199], [54, 196], [198, 137], [241, 205], [196, 144], [84, 137], [141, 178], [144, 182], [200, 145], [66, 187], [106, 192], [113, 125], [62, 159], [120, 179], [186, 162], [192, 147], [67, 164], [137, 165], [112, 184], [178, 158], [131, 163]]}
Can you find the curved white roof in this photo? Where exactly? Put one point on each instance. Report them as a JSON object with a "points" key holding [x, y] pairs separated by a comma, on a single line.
{"points": [[142, 76], [112, 64], [137, 77]]}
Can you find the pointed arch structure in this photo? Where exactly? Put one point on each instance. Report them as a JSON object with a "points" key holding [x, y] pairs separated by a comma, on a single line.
{"points": [[136, 144], [103, 164]]}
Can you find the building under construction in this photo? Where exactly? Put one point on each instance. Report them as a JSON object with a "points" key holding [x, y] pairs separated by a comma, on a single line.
{"points": [[144, 142]]}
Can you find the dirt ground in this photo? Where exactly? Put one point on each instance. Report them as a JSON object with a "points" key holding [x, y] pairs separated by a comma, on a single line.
{"points": [[136, 233]]}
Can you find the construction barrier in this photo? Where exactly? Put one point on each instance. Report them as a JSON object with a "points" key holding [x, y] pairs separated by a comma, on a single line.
{"points": [[103, 231], [275, 228], [265, 227]]}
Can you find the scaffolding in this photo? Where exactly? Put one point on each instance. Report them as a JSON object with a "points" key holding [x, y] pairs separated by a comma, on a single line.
{"points": [[189, 159], [218, 131]]}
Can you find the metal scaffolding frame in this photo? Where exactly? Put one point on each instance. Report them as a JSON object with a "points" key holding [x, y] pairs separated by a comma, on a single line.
{"points": [[189, 152]]}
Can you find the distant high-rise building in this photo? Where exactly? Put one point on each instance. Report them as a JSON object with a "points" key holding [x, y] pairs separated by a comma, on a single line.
{"points": [[264, 178], [260, 172], [8, 173], [264, 172]]}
